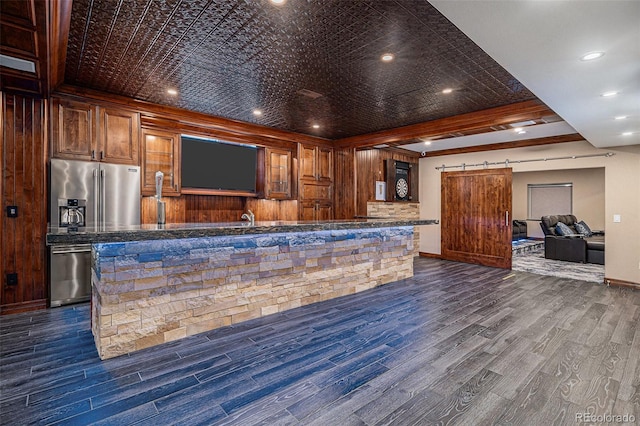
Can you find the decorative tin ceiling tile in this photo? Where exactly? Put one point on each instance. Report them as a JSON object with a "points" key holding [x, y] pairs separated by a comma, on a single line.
{"points": [[228, 57]]}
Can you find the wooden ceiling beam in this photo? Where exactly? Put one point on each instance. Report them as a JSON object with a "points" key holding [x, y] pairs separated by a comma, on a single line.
{"points": [[573, 137], [485, 119], [58, 33]]}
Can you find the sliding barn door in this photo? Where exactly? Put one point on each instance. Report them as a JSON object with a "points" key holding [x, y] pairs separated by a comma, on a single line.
{"points": [[476, 217]]}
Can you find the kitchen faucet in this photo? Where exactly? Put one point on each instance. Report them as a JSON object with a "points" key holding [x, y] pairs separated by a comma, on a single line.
{"points": [[249, 216]]}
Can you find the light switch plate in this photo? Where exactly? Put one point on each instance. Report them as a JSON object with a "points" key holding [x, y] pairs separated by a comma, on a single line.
{"points": [[616, 218]]}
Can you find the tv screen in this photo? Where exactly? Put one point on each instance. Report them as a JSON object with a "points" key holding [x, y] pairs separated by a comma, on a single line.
{"points": [[211, 164]]}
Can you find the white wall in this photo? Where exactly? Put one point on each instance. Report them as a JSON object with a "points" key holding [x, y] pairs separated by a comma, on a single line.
{"points": [[622, 195], [588, 195]]}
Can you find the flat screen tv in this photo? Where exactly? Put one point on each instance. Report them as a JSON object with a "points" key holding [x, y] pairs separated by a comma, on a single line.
{"points": [[214, 165]]}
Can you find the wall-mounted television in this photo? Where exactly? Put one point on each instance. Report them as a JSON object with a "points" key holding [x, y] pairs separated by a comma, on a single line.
{"points": [[214, 165]]}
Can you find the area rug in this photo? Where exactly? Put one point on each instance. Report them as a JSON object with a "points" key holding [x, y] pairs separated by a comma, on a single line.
{"points": [[533, 261]]}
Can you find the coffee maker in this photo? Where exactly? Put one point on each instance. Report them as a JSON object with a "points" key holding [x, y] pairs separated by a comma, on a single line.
{"points": [[72, 213]]}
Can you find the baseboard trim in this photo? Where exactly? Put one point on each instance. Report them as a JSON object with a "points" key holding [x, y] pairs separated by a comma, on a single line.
{"points": [[612, 282], [430, 255], [16, 308]]}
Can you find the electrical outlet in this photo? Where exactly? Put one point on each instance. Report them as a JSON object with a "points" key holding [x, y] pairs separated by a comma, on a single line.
{"points": [[12, 211], [12, 279]]}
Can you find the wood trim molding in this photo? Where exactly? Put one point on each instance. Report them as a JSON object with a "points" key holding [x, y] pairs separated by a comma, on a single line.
{"points": [[503, 115], [573, 137], [401, 151], [430, 255], [16, 308], [232, 193], [613, 282], [151, 112], [160, 123]]}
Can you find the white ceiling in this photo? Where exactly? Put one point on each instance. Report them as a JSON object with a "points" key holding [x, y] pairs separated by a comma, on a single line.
{"points": [[532, 132], [540, 43]]}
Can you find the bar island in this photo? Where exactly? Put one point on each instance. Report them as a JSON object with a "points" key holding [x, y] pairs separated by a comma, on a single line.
{"points": [[152, 284]]}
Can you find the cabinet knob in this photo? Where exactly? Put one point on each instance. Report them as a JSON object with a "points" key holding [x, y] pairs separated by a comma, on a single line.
{"points": [[102, 155], [93, 154]]}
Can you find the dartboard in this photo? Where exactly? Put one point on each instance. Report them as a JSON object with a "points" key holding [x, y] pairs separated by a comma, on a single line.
{"points": [[402, 188]]}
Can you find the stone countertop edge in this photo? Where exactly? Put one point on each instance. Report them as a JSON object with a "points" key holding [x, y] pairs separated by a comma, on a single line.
{"points": [[176, 231]]}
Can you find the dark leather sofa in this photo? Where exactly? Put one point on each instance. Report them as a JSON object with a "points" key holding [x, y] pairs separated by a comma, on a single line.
{"points": [[519, 230], [572, 248]]}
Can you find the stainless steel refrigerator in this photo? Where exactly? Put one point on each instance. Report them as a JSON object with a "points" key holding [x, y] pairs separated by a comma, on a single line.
{"points": [[86, 196]]}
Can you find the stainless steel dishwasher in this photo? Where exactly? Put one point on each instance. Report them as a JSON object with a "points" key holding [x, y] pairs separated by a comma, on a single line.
{"points": [[70, 274]]}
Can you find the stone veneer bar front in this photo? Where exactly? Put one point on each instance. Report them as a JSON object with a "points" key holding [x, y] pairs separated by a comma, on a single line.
{"points": [[153, 291]]}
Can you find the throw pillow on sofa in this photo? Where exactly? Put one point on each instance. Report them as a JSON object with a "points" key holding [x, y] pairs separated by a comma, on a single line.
{"points": [[583, 229], [563, 229]]}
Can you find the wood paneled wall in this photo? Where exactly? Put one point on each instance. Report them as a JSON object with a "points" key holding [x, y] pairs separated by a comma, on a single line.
{"points": [[369, 169], [22, 239], [344, 183], [217, 208]]}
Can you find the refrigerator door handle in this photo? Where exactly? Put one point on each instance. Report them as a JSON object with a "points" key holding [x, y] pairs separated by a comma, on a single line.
{"points": [[96, 193], [102, 196]]}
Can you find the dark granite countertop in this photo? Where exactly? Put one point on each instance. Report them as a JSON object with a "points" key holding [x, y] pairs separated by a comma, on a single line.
{"points": [[113, 234]]}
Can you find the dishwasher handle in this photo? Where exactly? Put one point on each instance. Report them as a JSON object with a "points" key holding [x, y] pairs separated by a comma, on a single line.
{"points": [[78, 248]]}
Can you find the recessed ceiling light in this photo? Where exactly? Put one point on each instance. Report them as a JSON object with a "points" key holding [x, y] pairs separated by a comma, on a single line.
{"points": [[278, 2], [609, 94], [517, 129], [522, 132], [257, 112], [591, 56], [316, 126], [523, 123], [627, 133], [427, 143], [172, 91], [620, 117], [387, 57], [447, 91]]}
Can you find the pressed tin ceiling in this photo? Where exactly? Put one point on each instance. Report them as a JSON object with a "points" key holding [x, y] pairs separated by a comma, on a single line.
{"points": [[229, 57]]}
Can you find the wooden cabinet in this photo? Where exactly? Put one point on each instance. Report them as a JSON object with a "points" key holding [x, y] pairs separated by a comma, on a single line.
{"points": [[316, 210], [278, 174], [74, 130], [316, 182], [82, 131], [118, 132], [160, 152], [316, 163]]}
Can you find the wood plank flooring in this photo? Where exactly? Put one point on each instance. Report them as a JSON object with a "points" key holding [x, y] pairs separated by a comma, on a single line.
{"points": [[457, 344]]}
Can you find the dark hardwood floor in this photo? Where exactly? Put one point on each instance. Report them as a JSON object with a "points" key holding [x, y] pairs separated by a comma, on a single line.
{"points": [[456, 344]]}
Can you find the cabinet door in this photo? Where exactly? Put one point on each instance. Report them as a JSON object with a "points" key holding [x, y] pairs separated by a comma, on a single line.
{"points": [[324, 161], [74, 129], [278, 174], [307, 159], [324, 211], [308, 210], [119, 130], [160, 153]]}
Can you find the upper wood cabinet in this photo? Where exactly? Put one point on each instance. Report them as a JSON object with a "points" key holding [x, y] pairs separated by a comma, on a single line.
{"points": [[278, 174], [118, 136], [316, 163], [74, 130], [160, 152], [83, 131]]}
